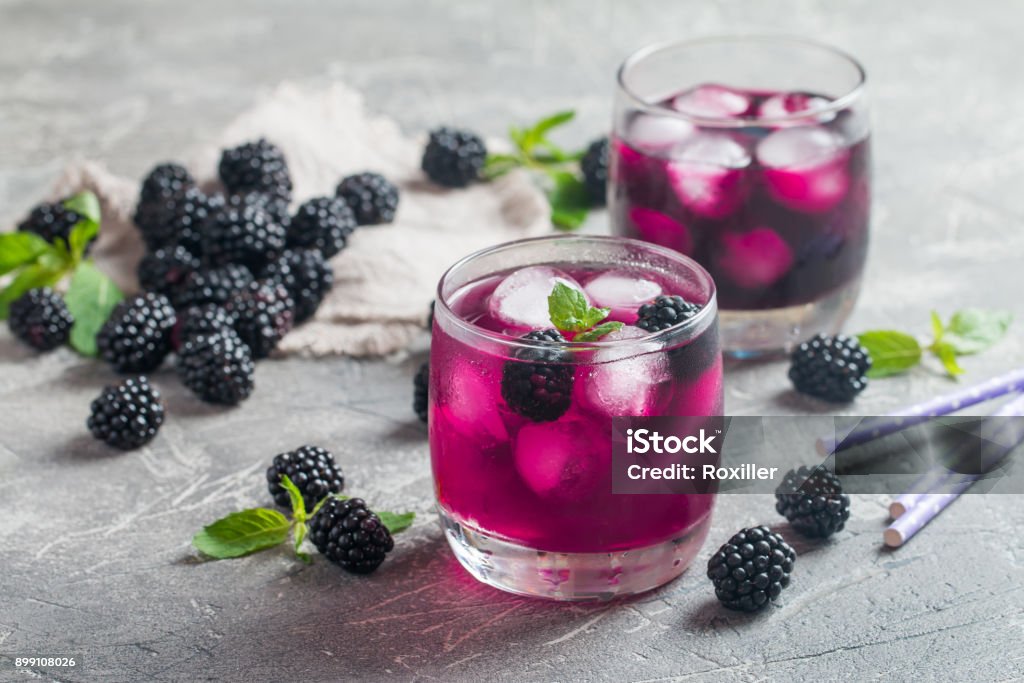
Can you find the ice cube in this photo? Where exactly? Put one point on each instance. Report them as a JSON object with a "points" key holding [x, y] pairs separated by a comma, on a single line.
{"points": [[621, 289], [707, 174], [712, 101], [521, 300], [566, 460], [658, 134], [626, 380], [470, 399], [755, 259], [805, 168], [658, 228], [790, 103]]}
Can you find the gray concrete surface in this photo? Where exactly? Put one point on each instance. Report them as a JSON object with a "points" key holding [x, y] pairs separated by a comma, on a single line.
{"points": [[94, 554]]}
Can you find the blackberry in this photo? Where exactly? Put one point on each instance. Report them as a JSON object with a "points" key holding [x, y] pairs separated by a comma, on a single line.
{"points": [[665, 312], [245, 234], [594, 166], [420, 388], [323, 223], [263, 314], [217, 367], [50, 221], [137, 335], [306, 276], [179, 219], [274, 205], [41, 319], [751, 569], [127, 415], [313, 471], [165, 180], [453, 158], [372, 197], [255, 166], [813, 501], [830, 368], [214, 286], [347, 533], [538, 384], [166, 268], [205, 319]]}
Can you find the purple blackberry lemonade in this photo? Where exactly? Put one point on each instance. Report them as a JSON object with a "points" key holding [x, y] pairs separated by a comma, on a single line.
{"points": [[536, 346], [752, 156]]}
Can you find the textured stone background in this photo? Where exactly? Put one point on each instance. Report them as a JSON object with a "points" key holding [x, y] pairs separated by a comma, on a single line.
{"points": [[94, 555]]}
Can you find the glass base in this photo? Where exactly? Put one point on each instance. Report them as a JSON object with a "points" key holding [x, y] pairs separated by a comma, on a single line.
{"points": [[570, 576], [775, 331]]}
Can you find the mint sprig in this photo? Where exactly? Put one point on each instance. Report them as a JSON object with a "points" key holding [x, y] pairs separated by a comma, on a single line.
{"points": [[968, 331], [570, 311]]}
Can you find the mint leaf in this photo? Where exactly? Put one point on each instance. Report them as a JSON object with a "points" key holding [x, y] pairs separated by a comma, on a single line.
{"points": [[83, 233], [298, 505], [548, 123], [498, 165], [396, 522], [242, 533], [84, 204], [90, 298], [891, 352], [946, 354], [569, 200], [599, 331], [19, 249], [35, 275], [973, 330], [569, 310]]}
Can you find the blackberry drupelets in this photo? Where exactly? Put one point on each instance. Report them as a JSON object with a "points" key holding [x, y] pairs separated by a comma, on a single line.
{"points": [[453, 158], [41, 319], [204, 319], [813, 501], [127, 415], [538, 384], [213, 286], [137, 335], [322, 223], [217, 367], [313, 471], [347, 533], [665, 312], [594, 166], [50, 221], [165, 269], [257, 166], [306, 277], [751, 569], [165, 180], [830, 368], [243, 234], [420, 389], [263, 314], [372, 197], [274, 205], [177, 219]]}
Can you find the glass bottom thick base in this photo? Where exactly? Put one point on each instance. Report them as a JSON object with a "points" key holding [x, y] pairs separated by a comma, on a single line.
{"points": [[776, 331], [571, 576]]}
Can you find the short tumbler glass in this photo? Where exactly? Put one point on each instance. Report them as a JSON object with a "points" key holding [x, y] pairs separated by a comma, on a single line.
{"points": [[524, 480], [750, 154]]}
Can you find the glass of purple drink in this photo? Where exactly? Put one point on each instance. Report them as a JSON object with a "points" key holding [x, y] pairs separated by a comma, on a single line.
{"points": [[521, 427], [750, 155]]}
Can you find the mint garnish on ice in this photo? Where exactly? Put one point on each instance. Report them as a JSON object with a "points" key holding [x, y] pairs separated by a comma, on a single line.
{"points": [[968, 332], [570, 312]]}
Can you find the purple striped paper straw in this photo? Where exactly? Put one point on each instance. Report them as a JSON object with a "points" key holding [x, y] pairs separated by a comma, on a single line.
{"points": [[904, 418], [938, 475]]}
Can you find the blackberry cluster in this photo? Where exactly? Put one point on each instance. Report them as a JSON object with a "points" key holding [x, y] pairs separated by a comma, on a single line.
{"points": [[165, 180], [275, 206], [137, 335], [165, 269], [50, 221], [594, 166], [322, 223], [263, 314], [372, 197], [214, 286], [245, 235], [306, 277], [257, 166], [41, 319], [217, 367], [347, 533], [538, 384], [665, 312], [751, 569], [177, 219], [420, 389], [197, 320], [127, 415], [830, 368], [313, 471], [454, 158], [813, 501]]}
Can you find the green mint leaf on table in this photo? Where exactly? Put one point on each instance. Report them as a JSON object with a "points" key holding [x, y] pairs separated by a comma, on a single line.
{"points": [[298, 505], [90, 298], [37, 274], [84, 204], [19, 249], [973, 330], [569, 310], [891, 352], [396, 522], [946, 354], [243, 533], [569, 200]]}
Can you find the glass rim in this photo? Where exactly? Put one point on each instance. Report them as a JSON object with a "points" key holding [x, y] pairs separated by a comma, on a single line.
{"points": [[709, 310], [835, 105]]}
